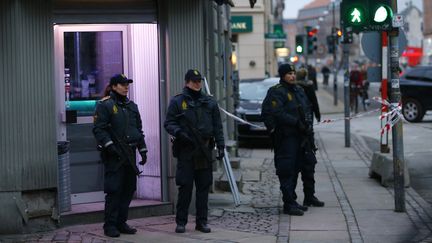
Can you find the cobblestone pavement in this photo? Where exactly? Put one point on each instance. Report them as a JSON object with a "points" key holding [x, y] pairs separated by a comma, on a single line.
{"points": [[258, 215], [262, 215]]}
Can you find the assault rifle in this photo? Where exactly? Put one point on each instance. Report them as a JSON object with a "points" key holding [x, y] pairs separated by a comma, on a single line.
{"points": [[307, 140], [198, 141], [127, 153]]}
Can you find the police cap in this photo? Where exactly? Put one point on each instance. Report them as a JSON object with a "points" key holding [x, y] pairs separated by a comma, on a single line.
{"points": [[194, 75], [120, 79]]}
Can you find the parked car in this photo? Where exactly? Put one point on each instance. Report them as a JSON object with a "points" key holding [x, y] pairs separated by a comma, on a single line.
{"points": [[252, 93], [416, 89]]}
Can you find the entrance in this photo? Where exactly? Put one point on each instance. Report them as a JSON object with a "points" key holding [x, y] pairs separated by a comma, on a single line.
{"points": [[86, 57]]}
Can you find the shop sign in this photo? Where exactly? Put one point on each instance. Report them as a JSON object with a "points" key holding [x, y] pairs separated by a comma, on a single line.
{"points": [[278, 44], [241, 24]]}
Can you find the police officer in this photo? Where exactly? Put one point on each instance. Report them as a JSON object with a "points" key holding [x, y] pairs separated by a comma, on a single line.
{"points": [[283, 112], [193, 118], [307, 168], [118, 130]]}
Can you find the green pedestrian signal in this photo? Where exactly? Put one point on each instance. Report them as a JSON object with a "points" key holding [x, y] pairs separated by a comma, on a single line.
{"points": [[356, 16]]}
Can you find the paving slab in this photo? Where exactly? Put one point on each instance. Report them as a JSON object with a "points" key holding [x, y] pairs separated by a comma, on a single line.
{"points": [[319, 219], [327, 236]]}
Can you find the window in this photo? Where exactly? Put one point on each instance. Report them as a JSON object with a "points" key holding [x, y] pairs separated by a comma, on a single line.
{"points": [[415, 74]]}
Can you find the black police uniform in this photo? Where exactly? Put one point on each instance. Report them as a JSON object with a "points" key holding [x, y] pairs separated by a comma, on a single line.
{"points": [[118, 118], [281, 112], [193, 110]]}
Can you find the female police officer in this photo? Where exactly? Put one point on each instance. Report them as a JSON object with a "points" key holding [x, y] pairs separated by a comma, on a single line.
{"points": [[118, 130], [194, 120]]}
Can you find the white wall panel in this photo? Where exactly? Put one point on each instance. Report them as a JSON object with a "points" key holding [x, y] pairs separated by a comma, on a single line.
{"points": [[145, 73]]}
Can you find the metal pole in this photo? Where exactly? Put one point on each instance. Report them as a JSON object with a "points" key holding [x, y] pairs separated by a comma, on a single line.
{"points": [[305, 51], [384, 148], [346, 47], [397, 130], [334, 57]]}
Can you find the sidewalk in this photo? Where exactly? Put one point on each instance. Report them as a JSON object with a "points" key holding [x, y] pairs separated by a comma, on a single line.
{"points": [[357, 209]]}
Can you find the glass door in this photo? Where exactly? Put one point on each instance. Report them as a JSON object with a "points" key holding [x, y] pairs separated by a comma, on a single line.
{"points": [[86, 57]]}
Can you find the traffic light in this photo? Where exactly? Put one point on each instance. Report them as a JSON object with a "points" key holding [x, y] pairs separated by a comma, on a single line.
{"points": [[338, 33], [330, 44], [354, 15], [381, 15], [311, 39], [347, 37], [299, 46], [366, 15]]}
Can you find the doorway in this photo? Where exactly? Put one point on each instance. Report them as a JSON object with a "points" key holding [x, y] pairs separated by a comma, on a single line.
{"points": [[86, 57]]}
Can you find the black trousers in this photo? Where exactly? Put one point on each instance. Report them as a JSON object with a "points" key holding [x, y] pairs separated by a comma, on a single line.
{"points": [[119, 186], [186, 175], [307, 170], [287, 163]]}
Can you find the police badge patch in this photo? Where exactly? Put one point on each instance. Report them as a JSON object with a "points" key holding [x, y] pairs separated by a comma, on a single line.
{"points": [[289, 97], [184, 105]]}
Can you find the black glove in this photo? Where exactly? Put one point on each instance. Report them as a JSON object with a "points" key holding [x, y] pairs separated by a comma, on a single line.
{"points": [[220, 152], [301, 126], [112, 150], [184, 138], [318, 117], [143, 158]]}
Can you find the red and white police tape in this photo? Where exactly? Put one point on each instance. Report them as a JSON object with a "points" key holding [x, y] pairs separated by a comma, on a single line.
{"points": [[394, 115]]}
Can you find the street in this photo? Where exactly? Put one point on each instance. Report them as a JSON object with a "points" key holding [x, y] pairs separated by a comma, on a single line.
{"points": [[357, 209], [417, 147]]}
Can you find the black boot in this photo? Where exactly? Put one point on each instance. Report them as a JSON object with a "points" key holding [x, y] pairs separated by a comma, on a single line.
{"points": [[111, 232], [126, 229], [180, 228], [293, 210], [203, 228], [302, 208], [313, 202]]}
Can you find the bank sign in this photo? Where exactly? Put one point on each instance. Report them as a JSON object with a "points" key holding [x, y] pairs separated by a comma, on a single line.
{"points": [[241, 24]]}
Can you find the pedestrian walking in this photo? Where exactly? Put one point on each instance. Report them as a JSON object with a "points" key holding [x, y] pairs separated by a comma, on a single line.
{"points": [[365, 87], [193, 119], [356, 86], [283, 112], [326, 74], [312, 75], [307, 168], [118, 131]]}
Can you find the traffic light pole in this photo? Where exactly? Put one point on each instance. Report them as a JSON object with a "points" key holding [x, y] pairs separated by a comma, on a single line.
{"points": [[335, 95], [397, 130], [346, 47]]}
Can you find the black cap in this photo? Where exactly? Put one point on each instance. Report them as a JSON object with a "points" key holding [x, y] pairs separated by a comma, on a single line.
{"points": [[194, 75], [285, 68], [119, 79]]}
